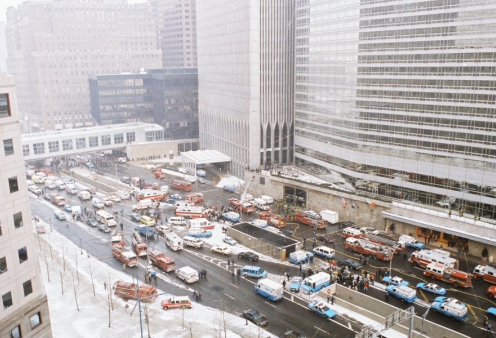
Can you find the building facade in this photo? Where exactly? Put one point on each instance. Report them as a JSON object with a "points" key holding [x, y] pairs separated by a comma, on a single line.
{"points": [[168, 97], [398, 99], [246, 82], [53, 46], [176, 31], [24, 311]]}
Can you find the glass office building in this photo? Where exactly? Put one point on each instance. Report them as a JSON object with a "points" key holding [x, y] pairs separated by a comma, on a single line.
{"points": [[398, 98]]}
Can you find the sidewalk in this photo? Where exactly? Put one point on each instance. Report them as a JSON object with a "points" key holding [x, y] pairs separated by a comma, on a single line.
{"points": [[454, 253]]}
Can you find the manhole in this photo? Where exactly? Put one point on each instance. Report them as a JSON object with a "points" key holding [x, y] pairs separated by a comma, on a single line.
{"points": [[217, 288]]}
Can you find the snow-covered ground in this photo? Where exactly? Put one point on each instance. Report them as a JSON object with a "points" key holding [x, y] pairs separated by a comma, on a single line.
{"points": [[230, 180], [69, 275]]}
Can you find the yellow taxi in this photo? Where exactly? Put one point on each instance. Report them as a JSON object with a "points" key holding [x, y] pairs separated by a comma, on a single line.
{"points": [[147, 220]]}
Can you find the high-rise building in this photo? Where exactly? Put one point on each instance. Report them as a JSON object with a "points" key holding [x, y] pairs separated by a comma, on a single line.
{"points": [[54, 46], [3, 48], [24, 302], [167, 97], [176, 31], [398, 98], [245, 80]]}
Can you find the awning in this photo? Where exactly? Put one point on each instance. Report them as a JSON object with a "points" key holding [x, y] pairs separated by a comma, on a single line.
{"points": [[205, 156], [437, 227]]}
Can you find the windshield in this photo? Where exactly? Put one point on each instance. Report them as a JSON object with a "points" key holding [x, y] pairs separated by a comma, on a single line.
{"points": [[325, 308], [261, 271]]}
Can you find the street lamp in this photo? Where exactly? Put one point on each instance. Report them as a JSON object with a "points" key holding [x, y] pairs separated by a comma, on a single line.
{"points": [[139, 303], [422, 325], [81, 245], [246, 318]]}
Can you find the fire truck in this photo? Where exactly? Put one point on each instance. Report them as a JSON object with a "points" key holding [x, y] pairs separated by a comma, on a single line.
{"points": [[423, 258], [124, 255], [368, 248], [162, 261], [452, 276], [139, 245], [273, 219], [246, 207], [158, 173], [127, 290], [117, 239], [155, 195], [399, 246], [486, 273], [310, 218], [195, 198], [57, 199], [181, 185], [190, 211]]}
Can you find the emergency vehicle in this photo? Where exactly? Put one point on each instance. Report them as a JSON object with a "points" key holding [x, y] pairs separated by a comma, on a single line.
{"points": [[450, 309], [195, 198], [139, 245], [127, 290], [182, 302], [159, 174], [423, 258], [246, 207], [452, 276], [486, 273], [57, 199], [273, 219], [351, 232], [310, 218], [117, 239], [368, 248], [399, 246], [203, 223], [190, 212], [403, 292], [155, 195], [124, 255], [299, 256], [173, 241], [104, 217], [162, 261], [187, 274], [269, 289], [181, 185], [315, 282]]}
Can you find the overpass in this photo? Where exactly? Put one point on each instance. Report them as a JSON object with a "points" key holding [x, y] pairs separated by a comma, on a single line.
{"points": [[68, 142]]}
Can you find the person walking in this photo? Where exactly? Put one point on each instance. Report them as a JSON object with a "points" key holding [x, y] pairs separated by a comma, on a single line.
{"points": [[124, 266], [365, 286], [232, 276], [300, 267], [489, 328], [387, 296], [284, 284], [303, 274], [328, 298], [332, 300], [199, 296]]}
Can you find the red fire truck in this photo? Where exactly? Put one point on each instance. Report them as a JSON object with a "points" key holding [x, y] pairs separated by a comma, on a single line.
{"points": [[181, 185], [452, 276], [124, 255], [195, 198], [310, 218], [139, 245], [117, 239], [273, 219], [423, 258], [368, 248], [57, 199], [246, 208], [127, 290], [486, 273], [155, 195], [191, 211], [162, 261], [399, 246]]}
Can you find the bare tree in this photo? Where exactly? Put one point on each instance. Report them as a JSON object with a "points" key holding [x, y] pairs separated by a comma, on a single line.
{"points": [[47, 266], [189, 326], [110, 302], [223, 322], [91, 270], [76, 260], [76, 288], [62, 273], [63, 254]]}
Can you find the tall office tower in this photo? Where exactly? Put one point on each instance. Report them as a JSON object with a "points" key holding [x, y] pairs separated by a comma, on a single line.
{"points": [[55, 45], [176, 31], [245, 80], [3, 48], [24, 310], [398, 98]]}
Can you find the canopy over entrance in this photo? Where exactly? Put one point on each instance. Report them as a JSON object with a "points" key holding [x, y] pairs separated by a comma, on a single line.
{"points": [[193, 158]]}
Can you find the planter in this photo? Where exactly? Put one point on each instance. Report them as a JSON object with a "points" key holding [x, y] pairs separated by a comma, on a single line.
{"points": [[484, 259]]}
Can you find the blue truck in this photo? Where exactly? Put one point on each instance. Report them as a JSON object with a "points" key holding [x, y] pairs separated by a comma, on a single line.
{"points": [[145, 230]]}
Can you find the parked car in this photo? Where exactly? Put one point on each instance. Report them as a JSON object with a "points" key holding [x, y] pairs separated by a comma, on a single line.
{"points": [[351, 263], [115, 199], [491, 311], [248, 255], [104, 228], [106, 201], [176, 197], [322, 309], [394, 281], [172, 302], [169, 200], [222, 249], [431, 287], [47, 197], [135, 216], [125, 179], [68, 207], [201, 180], [295, 284], [230, 241], [255, 317], [34, 189], [91, 222], [59, 214], [323, 238], [90, 165], [448, 300]]}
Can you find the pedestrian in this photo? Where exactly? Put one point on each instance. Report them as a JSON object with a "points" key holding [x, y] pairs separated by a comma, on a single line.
{"points": [[300, 266], [486, 320], [66, 224], [199, 296], [228, 262], [124, 266], [303, 275], [232, 276], [205, 274], [332, 300], [105, 285], [155, 278], [283, 283], [287, 275], [365, 286], [238, 272], [122, 226], [489, 328], [328, 298], [387, 296]]}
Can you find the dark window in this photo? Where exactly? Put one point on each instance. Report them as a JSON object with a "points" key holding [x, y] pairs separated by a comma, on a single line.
{"points": [[23, 254], [13, 184], [18, 220], [8, 147], [4, 105], [3, 265], [16, 332], [262, 180], [28, 288], [35, 320], [0, 230], [7, 300]]}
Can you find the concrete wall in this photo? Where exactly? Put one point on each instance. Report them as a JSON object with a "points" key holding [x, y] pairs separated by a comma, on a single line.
{"points": [[96, 183], [157, 149], [21, 317]]}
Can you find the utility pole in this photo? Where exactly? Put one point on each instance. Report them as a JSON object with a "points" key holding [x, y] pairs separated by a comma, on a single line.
{"points": [[139, 305], [147, 321]]}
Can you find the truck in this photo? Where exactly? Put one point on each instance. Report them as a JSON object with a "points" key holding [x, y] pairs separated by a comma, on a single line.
{"points": [[57, 199], [195, 198], [190, 211], [139, 245], [398, 246], [161, 261], [422, 258], [449, 275], [125, 256], [368, 248], [310, 218], [403, 292], [203, 223], [181, 185], [145, 204], [231, 216], [331, 217], [145, 230], [451, 309], [273, 219], [230, 188], [261, 204], [117, 239], [187, 274], [485, 273], [246, 207], [106, 218], [315, 282], [299, 256], [128, 290], [269, 289], [150, 194], [173, 241]]}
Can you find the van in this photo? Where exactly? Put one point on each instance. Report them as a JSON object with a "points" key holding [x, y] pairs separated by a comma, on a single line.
{"points": [[187, 274], [50, 184], [60, 184], [324, 251], [351, 232], [269, 289], [201, 223], [261, 204], [97, 203], [173, 241], [144, 204], [177, 221], [84, 195], [71, 189], [298, 256], [403, 292], [253, 271], [329, 216], [192, 241], [315, 282], [267, 199]]}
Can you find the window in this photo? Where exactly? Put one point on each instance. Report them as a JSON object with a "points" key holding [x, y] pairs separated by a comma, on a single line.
{"points": [[23, 255], [7, 300], [35, 320], [28, 288], [118, 138], [131, 137], [80, 143], [16, 332], [3, 265], [8, 147], [53, 146], [4, 105], [39, 148], [18, 220], [93, 140], [25, 150], [66, 145], [14, 187], [106, 140]]}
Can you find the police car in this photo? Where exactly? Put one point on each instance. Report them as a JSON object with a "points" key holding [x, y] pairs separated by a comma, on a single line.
{"points": [[394, 281], [431, 287], [295, 284], [403, 292], [322, 309], [448, 300], [451, 309]]}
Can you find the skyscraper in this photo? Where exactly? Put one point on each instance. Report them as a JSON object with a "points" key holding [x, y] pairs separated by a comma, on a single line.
{"points": [[24, 303], [245, 80], [3, 48], [398, 98], [176, 31], [54, 46]]}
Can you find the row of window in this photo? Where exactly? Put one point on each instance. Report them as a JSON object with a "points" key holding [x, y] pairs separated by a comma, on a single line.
{"points": [[23, 256], [34, 321]]}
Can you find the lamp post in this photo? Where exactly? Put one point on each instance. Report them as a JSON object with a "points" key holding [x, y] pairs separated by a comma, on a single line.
{"points": [[139, 304], [81, 245], [422, 324], [246, 318]]}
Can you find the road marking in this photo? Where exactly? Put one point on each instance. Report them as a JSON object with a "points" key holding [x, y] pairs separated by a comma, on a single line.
{"points": [[234, 286], [423, 295], [472, 311], [229, 296], [349, 325], [270, 304], [101, 258], [318, 328]]}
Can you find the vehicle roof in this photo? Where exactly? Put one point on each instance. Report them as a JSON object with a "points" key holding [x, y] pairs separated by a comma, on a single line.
{"points": [[180, 298], [251, 267]]}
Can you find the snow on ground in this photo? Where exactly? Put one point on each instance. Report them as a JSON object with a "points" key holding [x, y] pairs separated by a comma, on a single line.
{"points": [[92, 319], [230, 180]]}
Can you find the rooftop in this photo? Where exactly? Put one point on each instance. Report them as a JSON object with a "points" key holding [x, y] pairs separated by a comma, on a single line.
{"points": [[205, 156], [265, 235]]}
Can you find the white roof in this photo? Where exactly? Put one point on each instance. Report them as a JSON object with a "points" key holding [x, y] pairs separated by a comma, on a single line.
{"points": [[205, 156]]}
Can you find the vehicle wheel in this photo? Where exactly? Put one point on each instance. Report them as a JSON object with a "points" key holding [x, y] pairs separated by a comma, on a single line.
{"points": [[245, 275], [433, 277], [310, 292], [183, 307], [456, 284], [166, 308], [480, 278], [416, 264], [402, 300]]}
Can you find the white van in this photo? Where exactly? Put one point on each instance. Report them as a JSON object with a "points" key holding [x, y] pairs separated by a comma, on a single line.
{"points": [[201, 223], [182, 204], [177, 221], [97, 203], [193, 241], [144, 204], [173, 241], [267, 199], [351, 232], [71, 189], [187, 274], [330, 216], [269, 289], [84, 195], [324, 251], [50, 184], [261, 204]]}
